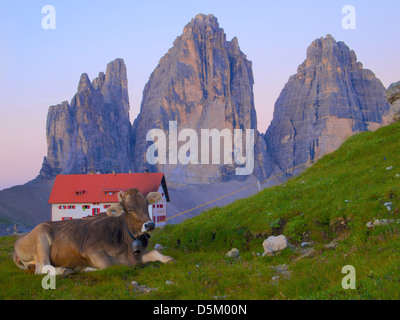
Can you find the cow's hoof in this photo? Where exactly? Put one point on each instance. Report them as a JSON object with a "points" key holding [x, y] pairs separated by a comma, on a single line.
{"points": [[169, 260], [63, 272]]}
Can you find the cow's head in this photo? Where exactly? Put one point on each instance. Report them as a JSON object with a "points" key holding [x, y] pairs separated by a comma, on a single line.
{"points": [[135, 206]]}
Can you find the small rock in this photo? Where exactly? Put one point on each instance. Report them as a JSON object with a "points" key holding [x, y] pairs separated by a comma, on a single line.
{"points": [[233, 253], [158, 247], [389, 168], [397, 175], [219, 297], [331, 245], [169, 283], [141, 288], [370, 224], [274, 244], [377, 222], [388, 205], [282, 271], [304, 244], [275, 278]]}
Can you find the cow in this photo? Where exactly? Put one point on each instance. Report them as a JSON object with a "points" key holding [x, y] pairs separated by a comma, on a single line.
{"points": [[109, 238]]}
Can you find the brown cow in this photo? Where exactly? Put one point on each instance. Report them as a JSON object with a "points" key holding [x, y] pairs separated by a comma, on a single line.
{"points": [[96, 242]]}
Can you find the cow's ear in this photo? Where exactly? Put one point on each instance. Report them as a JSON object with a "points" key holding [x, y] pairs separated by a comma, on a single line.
{"points": [[115, 210], [153, 197], [120, 195]]}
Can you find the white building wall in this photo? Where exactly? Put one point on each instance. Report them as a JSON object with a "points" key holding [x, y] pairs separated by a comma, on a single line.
{"points": [[158, 211], [78, 212]]}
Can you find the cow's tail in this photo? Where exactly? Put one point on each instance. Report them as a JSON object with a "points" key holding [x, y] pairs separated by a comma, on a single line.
{"points": [[18, 262]]}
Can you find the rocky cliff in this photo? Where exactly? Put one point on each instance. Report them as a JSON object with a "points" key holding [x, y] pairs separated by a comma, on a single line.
{"points": [[393, 96], [92, 132], [330, 98], [203, 82]]}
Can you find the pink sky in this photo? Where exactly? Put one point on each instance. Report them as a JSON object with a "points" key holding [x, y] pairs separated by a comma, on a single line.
{"points": [[39, 68]]}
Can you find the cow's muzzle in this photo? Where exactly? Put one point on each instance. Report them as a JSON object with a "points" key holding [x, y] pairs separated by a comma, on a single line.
{"points": [[148, 226]]}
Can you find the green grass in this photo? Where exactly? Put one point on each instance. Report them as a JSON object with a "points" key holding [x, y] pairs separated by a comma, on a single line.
{"points": [[334, 199]]}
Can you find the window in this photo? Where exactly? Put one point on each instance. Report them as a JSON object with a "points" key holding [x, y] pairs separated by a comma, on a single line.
{"points": [[71, 207], [85, 207], [95, 211], [62, 207], [161, 218], [106, 206], [66, 218], [161, 206]]}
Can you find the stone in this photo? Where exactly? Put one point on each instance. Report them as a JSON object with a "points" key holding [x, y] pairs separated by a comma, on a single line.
{"points": [[233, 253], [389, 168], [306, 253], [331, 245], [330, 98], [388, 205], [281, 271], [169, 283], [273, 244], [141, 288], [393, 92], [158, 247], [370, 224]]}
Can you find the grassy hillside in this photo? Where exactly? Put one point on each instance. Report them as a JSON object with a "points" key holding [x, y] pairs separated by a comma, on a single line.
{"points": [[328, 206]]}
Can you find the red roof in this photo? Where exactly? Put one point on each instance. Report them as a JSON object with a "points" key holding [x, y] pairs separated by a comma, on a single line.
{"points": [[86, 188]]}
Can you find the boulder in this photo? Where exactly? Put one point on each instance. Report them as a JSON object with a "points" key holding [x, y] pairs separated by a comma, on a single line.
{"points": [[393, 96], [273, 244], [233, 253]]}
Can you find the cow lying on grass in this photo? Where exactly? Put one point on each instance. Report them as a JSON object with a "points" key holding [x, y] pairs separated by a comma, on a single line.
{"points": [[97, 242]]}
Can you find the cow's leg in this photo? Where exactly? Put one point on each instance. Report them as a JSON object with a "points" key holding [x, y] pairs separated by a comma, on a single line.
{"points": [[63, 271], [43, 247], [155, 255], [88, 269], [99, 259]]}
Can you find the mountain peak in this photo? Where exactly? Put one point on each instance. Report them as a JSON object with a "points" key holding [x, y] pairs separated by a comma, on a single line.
{"points": [[328, 50], [202, 23], [84, 83], [330, 98]]}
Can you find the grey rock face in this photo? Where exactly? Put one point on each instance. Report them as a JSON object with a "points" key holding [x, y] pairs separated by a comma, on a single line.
{"points": [[92, 133], [393, 96], [203, 82], [330, 98]]}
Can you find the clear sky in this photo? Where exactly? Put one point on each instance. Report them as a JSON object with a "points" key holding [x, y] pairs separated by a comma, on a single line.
{"points": [[39, 67]]}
